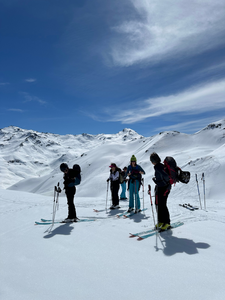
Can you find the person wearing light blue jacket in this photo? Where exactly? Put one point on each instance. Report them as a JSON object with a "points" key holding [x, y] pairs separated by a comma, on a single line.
{"points": [[134, 172]]}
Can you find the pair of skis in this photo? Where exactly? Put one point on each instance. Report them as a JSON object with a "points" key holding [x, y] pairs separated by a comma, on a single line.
{"points": [[203, 180], [129, 214], [49, 222], [147, 233], [125, 214], [189, 206]]}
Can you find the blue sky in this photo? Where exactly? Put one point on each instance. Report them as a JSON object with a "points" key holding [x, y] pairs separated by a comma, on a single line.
{"points": [[97, 66]]}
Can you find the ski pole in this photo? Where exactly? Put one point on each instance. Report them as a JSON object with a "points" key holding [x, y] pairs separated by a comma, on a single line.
{"points": [[57, 190], [143, 193], [53, 210], [107, 195], [135, 187], [203, 179], [149, 192], [198, 191]]}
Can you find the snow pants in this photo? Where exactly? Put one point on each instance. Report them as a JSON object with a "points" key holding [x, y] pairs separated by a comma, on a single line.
{"points": [[123, 193], [70, 193], [161, 195], [134, 194], [115, 189]]}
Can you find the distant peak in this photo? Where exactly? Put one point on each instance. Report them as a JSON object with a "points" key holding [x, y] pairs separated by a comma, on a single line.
{"points": [[214, 125], [129, 131]]}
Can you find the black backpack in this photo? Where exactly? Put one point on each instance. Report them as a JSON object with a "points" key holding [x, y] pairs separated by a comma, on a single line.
{"points": [[175, 173], [77, 171]]}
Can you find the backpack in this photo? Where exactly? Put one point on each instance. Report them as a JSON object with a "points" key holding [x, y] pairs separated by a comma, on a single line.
{"points": [[121, 178], [175, 173], [77, 171]]}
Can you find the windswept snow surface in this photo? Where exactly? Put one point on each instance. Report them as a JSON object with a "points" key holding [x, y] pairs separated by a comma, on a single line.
{"points": [[98, 260]]}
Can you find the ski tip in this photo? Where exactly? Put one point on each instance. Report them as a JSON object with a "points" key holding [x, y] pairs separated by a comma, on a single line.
{"points": [[140, 238], [132, 236]]}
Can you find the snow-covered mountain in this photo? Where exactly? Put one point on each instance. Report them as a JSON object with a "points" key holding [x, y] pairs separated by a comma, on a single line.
{"points": [[30, 154], [97, 260], [30, 160]]}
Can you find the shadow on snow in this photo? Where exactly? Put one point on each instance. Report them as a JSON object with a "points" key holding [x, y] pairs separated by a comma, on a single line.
{"points": [[174, 245]]}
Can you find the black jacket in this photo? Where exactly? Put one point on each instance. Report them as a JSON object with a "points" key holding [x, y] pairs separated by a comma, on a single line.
{"points": [[161, 177], [69, 178]]}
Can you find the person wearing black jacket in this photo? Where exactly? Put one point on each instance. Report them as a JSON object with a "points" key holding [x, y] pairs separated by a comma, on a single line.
{"points": [[162, 190], [70, 190]]}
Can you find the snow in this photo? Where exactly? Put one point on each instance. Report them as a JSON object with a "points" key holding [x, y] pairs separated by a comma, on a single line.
{"points": [[98, 260]]}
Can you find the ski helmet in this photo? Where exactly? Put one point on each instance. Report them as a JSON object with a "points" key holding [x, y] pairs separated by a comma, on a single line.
{"points": [[63, 167]]}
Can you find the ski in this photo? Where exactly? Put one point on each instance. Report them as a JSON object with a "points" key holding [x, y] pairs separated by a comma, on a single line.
{"points": [[141, 233], [151, 230], [194, 207], [121, 214], [186, 206], [99, 210], [154, 232], [49, 222], [129, 214]]}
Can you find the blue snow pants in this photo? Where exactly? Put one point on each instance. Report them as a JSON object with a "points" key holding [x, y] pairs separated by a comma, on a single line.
{"points": [[134, 198], [123, 193]]}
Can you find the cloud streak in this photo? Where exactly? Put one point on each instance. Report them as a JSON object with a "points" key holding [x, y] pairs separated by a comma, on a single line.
{"points": [[161, 29], [30, 98], [30, 80], [196, 100], [192, 126], [16, 110]]}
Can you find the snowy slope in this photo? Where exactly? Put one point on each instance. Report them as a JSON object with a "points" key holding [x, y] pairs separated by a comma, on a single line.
{"points": [[97, 260], [31, 154], [197, 153]]}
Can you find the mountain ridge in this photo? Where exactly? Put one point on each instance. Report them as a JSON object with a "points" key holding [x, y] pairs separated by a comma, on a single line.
{"points": [[28, 156]]}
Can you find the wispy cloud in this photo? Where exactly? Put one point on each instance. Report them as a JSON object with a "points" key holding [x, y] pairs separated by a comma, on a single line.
{"points": [[4, 83], [167, 28], [196, 100], [30, 80], [29, 98], [16, 110], [190, 126]]}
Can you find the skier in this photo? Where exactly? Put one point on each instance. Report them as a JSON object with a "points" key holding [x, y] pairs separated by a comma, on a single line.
{"points": [[115, 185], [134, 172], [123, 184], [70, 180], [162, 190]]}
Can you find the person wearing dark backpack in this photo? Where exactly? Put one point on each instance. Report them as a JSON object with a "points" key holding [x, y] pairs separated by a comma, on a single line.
{"points": [[134, 172], [114, 179], [162, 190], [71, 178]]}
